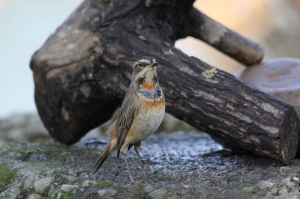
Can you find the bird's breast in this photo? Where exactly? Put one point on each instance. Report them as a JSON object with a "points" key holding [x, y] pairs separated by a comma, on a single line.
{"points": [[148, 118]]}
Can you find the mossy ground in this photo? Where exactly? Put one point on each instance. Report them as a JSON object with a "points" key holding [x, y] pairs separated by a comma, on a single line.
{"points": [[6, 176]]}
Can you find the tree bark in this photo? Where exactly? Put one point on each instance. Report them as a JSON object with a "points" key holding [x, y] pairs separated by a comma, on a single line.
{"points": [[83, 70]]}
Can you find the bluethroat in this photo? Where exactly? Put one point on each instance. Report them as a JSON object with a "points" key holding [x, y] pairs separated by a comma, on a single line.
{"points": [[142, 111]]}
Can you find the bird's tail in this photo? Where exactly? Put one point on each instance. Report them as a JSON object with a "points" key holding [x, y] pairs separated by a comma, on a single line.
{"points": [[102, 159]]}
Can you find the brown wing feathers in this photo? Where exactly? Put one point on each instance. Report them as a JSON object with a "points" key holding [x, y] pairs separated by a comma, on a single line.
{"points": [[125, 119]]}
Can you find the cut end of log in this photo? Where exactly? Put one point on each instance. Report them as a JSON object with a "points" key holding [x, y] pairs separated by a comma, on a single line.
{"points": [[289, 136]]}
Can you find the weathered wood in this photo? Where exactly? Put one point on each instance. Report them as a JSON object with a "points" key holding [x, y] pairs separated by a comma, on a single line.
{"points": [[224, 39], [83, 70]]}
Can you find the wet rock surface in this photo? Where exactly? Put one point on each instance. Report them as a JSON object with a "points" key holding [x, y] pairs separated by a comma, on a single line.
{"points": [[183, 165]]}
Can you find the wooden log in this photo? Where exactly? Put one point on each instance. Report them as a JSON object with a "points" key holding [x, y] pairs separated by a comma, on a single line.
{"points": [[225, 40], [83, 70]]}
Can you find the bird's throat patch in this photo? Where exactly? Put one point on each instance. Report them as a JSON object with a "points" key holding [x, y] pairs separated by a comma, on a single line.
{"points": [[148, 86], [153, 94]]}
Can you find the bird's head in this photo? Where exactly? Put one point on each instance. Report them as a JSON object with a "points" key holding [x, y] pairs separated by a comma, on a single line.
{"points": [[144, 70]]}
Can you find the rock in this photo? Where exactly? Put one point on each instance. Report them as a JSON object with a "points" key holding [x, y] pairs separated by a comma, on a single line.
{"points": [[295, 179], [51, 190], [19, 167], [148, 188], [106, 192], [279, 78], [68, 187], [265, 185], [284, 170], [11, 192], [274, 191], [28, 180], [59, 195], [43, 184], [158, 193], [248, 189], [35, 196], [88, 183], [262, 193], [70, 178], [283, 191], [288, 183]]}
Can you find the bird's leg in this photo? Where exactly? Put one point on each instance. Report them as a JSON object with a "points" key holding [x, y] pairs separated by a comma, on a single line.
{"points": [[131, 178], [140, 161]]}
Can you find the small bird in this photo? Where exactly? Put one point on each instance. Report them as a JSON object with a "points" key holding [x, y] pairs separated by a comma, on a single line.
{"points": [[141, 113]]}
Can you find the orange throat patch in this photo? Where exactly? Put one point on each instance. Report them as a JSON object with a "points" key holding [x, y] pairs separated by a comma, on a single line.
{"points": [[157, 103], [148, 86]]}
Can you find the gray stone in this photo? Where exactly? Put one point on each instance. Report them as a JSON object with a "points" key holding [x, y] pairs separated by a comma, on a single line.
{"points": [[28, 180], [35, 196], [274, 191], [59, 195], [149, 188], [248, 189], [283, 191], [68, 187], [106, 192], [284, 170], [262, 193], [88, 183], [70, 178], [12, 192], [50, 172], [265, 185], [295, 179], [43, 183], [288, 183], [51, 190], [18, 167], [158, 193]]}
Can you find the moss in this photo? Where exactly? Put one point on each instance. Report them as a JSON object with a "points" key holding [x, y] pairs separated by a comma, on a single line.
{"points": [[44, 156], [41, 193], [140, 192], [60, 179], [26, 192], [6, 176], [68, 194], [104, 183], [65, 194]]}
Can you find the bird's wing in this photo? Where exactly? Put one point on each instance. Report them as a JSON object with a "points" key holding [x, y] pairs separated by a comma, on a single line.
{"points": [[128, 112]]}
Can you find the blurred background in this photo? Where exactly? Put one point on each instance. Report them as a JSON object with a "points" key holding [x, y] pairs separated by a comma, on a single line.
{"points": [[26, 24]]}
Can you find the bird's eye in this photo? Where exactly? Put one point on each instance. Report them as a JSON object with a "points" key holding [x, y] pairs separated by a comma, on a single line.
{"points": [[140, 64]]}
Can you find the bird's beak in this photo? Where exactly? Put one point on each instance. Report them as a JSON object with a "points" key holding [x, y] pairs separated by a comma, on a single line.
{"points": [[154, 64]]}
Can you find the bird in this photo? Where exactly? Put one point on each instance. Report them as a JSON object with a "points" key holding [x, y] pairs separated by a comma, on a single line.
{"points": [[141, 113]]}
